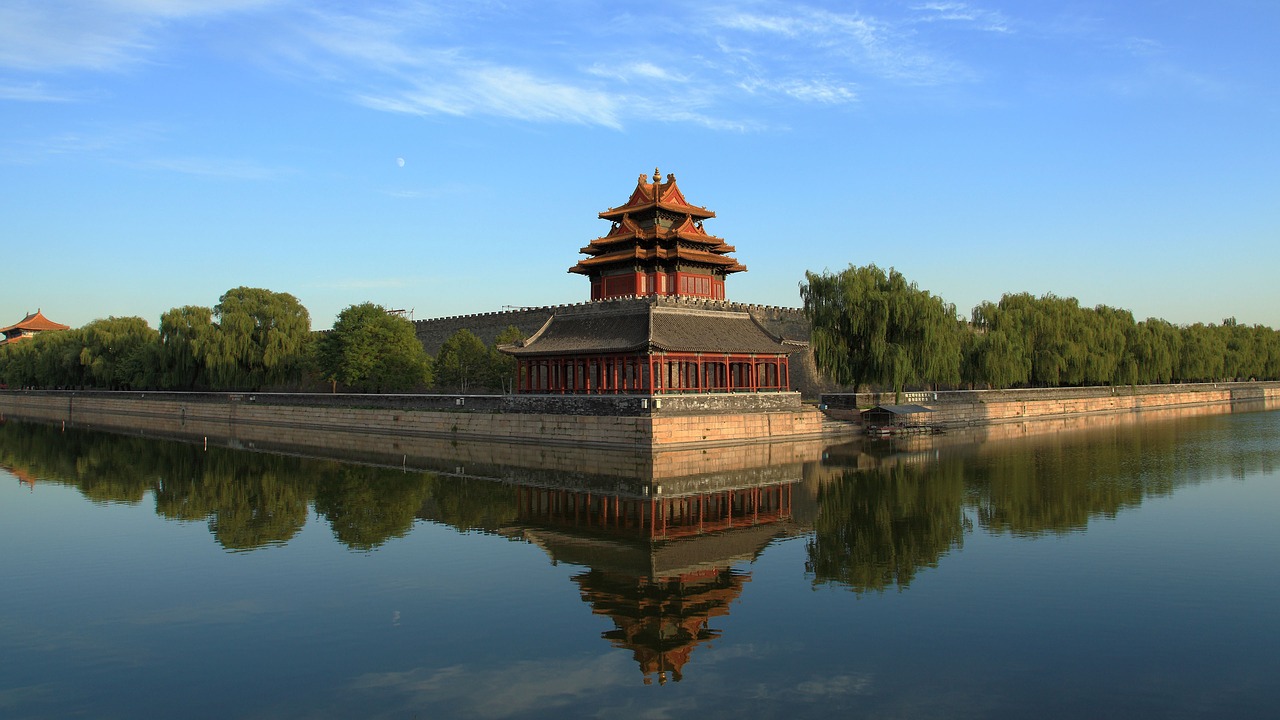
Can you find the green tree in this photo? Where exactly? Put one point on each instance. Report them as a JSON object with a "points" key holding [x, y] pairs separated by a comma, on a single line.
{"points": [[373, 351], [118, 353], [997, 355], [502, 367], [187, 337], [1203, 354], [262, 339], [869, 326], [463, 362]]}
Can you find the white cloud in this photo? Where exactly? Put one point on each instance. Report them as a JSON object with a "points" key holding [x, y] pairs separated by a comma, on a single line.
{"points": [[857, 42], [51, 35], [818, 90], [988, 20], [637, 71], [229, 168], [32, 92]]}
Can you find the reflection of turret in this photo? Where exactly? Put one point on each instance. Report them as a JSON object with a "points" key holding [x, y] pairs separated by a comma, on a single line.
{"points": [[23, 477], [661, 566], [661, 620]]}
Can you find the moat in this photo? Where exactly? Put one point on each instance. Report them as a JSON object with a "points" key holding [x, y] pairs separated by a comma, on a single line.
{"points": [[1124, 569]]}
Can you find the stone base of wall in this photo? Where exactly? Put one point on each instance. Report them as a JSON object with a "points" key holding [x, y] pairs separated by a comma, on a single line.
{"points": [[256, 418], [984, 407]]}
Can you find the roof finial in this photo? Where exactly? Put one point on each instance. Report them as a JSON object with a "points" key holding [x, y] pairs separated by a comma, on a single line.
{"points": [[671, 177], [657, 176]]}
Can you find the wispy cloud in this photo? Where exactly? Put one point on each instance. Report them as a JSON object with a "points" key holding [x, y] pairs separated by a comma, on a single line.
{"points": [[33, 92], [228, 168], [853, 42], [386, 68], [637, 71], [746, 62], [819, 90], [498, 91], [960, 12], [54, 35]]}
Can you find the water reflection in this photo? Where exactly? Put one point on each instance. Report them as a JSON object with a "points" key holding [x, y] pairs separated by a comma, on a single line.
{"points": [[574, 578], [876, 511], [661, 566], [664, 540]]}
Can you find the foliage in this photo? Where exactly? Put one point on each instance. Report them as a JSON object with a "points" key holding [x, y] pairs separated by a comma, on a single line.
{"points": [[367, 506], [876, 528], [502, 373], [262, 339], [117, 353], [463, 362], [373, 351], [187, 336], [869, 326]]}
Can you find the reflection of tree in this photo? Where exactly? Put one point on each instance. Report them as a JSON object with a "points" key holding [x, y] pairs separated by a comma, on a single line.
{"points": [[102, 471], [249, 500], [1056, 483], [368, 506], [876, 528], [470, 504]]}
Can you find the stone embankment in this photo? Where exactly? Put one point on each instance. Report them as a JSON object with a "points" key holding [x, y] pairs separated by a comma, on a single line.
{"points": [[341, 420], [984, 407]]}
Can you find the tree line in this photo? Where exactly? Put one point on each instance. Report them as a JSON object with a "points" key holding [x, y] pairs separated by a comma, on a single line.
{"points": [[874, 328], [255, 339]]}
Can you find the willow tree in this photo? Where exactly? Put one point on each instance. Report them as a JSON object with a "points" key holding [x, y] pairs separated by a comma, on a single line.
{"points": [[119, 352], [187, 338], [262, 339], [872, 326], [997, 352]]}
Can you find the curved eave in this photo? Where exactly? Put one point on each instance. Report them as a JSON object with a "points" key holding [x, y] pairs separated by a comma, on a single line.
{"points": [[636, 254], [606, 243], [618, 212]]}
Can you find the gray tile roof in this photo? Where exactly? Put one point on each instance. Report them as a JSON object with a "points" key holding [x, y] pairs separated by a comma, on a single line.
{"points": [[640, 327]]}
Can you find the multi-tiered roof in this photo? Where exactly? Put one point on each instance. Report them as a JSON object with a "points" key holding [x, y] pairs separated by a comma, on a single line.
{"points": [[657, 246], [28, 326]]}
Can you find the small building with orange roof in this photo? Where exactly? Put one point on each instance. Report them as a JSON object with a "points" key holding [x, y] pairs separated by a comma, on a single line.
{"points": [[29, 326]]}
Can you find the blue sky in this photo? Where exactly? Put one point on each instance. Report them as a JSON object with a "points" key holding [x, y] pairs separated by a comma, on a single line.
{"points": [[451, 157]]}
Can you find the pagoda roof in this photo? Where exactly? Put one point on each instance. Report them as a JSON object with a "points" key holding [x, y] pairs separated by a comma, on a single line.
{"points": [[35, 322], [627, 230], [657, 195], [632, 253], [631, 327]]}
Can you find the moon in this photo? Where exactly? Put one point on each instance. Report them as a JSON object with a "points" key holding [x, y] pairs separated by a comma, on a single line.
{"points": [[400, 162]]}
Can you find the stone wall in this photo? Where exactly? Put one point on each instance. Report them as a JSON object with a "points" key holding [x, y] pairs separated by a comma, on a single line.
{"points": [[486, 326], [288, 420], [982, 407]]}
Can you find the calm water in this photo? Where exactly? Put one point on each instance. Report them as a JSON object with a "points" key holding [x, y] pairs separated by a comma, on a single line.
{"points": [[1127, 571]]}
